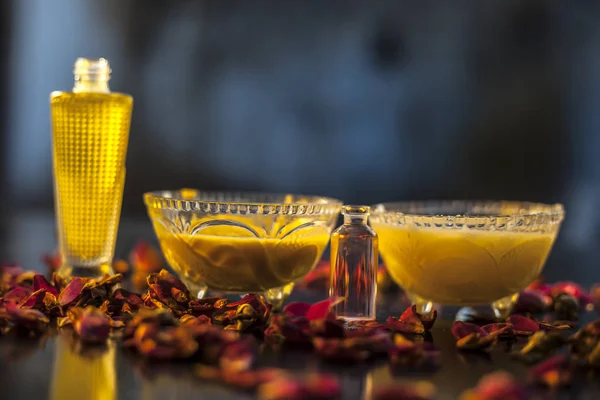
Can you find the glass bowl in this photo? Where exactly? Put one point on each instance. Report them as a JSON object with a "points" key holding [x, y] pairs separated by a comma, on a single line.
{"points": [[465, 253], [241, 242]]}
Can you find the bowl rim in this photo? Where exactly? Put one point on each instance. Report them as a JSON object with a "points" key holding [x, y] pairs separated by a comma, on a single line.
{"points": [[166, 199], [545, 215]]}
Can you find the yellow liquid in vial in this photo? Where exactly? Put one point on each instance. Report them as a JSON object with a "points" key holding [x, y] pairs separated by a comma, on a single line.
{"points": [[457, 267], [90, 134]]}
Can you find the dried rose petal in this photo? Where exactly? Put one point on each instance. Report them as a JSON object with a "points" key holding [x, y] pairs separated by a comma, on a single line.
{"points": [[313, 387], [418, 391], [28, 319], [158, 318], [410, 324], [60, 282], [248, 314], [476, 342], [322, 309], [16, 295], [426, 320], [532, 301], [72, 291], [90, 324], [593, 358], [40, 282], [540, 286], [327, 328], [298, 309], [553, 372], [497, 329], [245, 380], [462, 329], [353, 349], [53, 262], [170, 343], [540, 345], [188, 319], [120, 266], [168, 290], [291, 330], [145, 258], [496, 386], [523, 326], [584, 340], [413, 354], [236, 357], [206, 306]]}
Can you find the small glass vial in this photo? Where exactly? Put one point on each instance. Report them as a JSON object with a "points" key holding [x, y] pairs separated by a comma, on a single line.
{"points": [[354, 261]]}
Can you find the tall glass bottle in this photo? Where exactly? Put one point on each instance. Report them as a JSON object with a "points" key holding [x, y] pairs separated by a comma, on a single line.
{"points": [[90, 132], [354, 260]]}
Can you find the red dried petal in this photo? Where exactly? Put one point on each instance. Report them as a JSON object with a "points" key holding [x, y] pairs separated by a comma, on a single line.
{"points": [[363, 328], [462, 329], [34, 300], [40, 282], [237, 357], [553, 372], [29, 319], [72, 291], [497, 386], [497, 329], [523, 325], [16, 295], [398, 391], [291, 330], [323, 309], [327, 328], [246, 380], [475, 342], [90, 324], [206, 306], [353, 349], [168, 290], [427, 320], [133, 299], [145, 258], [407, 353], [314, 387], [189, 319], [298, 309], [412, 324]]}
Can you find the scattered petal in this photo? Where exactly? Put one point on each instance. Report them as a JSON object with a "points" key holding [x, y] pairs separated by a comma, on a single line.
{"points": [[237, 357], [523, 326], [553, 372], [496, 386], [462, 329], [407, 353], [426, 320], [418, 391], [297, 309], [72, 291], [541, 344], [40, 282], [90, 324], [322, 309], [313, 387], [245, 380], [476, 342], [566, 307]]}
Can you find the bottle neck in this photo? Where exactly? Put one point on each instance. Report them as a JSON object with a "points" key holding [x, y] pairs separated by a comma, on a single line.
{"points": [[356, 219], [91, 75]]}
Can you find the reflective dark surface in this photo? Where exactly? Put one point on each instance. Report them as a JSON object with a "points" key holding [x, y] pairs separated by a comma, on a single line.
{"points": [[55, 367]]}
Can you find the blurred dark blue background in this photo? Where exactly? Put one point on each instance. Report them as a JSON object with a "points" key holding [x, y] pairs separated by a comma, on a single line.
{"points": [[366, 101]]}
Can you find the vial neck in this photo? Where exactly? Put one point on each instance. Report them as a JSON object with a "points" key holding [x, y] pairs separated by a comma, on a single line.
{"points": [[356, 219], [89, 84]]}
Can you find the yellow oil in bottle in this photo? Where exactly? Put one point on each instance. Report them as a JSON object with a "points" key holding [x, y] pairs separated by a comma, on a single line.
{"points": [[90, 130]]}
